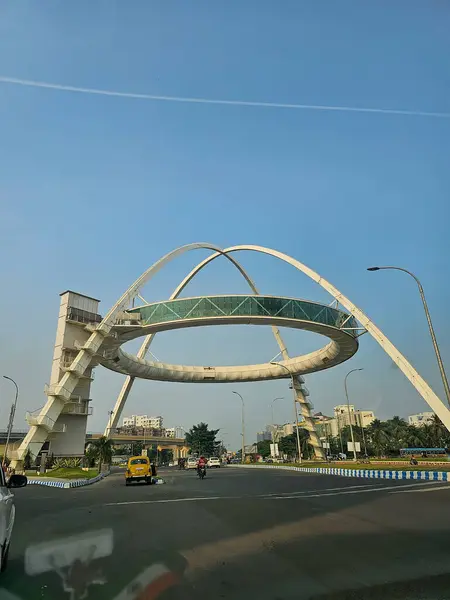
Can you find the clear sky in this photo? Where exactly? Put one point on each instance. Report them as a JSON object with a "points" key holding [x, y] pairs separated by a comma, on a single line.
{"points": [[95, 188]]}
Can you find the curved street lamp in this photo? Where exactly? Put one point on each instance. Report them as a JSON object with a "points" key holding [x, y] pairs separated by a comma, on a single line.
{"points": [[243, 427], [430, 325], [348, 409], [11, 417], [299, 452], [273, 420]]}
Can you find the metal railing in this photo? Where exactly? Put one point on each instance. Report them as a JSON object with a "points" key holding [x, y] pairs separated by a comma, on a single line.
{"points": [[38, 419], [82, 316], [75, 408]]}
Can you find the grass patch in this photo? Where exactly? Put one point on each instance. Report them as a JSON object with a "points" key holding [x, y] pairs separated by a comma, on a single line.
{"points": [[68, 473]]}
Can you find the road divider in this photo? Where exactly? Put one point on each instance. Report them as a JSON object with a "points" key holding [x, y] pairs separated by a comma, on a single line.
{"points": [[74, 483], [368, 473]]}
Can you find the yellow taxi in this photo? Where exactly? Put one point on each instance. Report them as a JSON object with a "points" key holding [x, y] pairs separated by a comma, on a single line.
{"points": [[139, 468]]}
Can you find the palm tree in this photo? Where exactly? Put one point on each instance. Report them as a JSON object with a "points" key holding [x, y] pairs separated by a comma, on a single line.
{"points": [[438, 432], [378, 436], [397, 431], [415, 437], [102, 449], [427, 435]]}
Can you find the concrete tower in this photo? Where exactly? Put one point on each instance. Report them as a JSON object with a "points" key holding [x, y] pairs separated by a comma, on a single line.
{"points": [[67, 434]]}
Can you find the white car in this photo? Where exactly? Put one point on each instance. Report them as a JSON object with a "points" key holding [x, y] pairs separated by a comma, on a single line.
{"points": [[191, 463], [214, 462], [7, 513]]}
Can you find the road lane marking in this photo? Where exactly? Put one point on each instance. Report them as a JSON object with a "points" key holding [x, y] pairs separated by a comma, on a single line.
{"points": [[343, 492], [347, 487], [433, 489], [309, 494], [169, 500]]}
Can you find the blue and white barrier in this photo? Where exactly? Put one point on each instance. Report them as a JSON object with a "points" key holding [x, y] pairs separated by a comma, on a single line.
{"points": [[369, 473], [66, 484]]}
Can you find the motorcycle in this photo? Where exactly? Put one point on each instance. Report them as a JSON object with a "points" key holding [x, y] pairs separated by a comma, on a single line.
{"points": [[201, 472]]}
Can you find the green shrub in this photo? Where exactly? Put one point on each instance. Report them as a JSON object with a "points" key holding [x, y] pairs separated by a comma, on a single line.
{"points": [[67, 463]]}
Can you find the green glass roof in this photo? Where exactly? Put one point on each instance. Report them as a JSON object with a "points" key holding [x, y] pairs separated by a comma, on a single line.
{"points": [[221, 306]]}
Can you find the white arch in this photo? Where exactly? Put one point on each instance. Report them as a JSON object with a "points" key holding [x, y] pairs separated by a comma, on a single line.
{"points": [[62, 392], [128, 383], [408, 370]]}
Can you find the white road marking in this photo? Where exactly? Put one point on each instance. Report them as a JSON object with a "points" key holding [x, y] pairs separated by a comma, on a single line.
{"points": [[307, 494], [348, 487], [169, 500], [343, 492], [433, 489]]}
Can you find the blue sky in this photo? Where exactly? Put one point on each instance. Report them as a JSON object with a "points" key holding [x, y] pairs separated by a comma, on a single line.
{"points": [[93, 189]]}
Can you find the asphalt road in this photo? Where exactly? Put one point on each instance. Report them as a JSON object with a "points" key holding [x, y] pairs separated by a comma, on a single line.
{"points": [[240, 533]]}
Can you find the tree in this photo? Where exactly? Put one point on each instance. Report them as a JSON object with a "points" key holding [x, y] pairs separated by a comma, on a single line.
{"points": [[165, 456], [288, 444], [102, 449], [264, 448], [202, 440], [27, 461], [397, 432], [415, 437], [439, 434], [90, 456], [378, 436], [136, 448]]}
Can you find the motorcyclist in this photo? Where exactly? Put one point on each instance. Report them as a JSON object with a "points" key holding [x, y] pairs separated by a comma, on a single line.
{"points": [[201, 464]]}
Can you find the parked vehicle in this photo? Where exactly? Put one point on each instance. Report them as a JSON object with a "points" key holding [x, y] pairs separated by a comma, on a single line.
{"points": [[191, 463], [214, 462], [139, 468], [333, 457], [7, 512]]}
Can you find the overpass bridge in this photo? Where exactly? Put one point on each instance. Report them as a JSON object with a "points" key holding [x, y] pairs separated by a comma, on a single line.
{"points": [[17, 435], [177, 445]]}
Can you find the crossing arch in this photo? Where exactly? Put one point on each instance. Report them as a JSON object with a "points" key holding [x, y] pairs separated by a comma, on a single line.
{"points": [[61, 393]]}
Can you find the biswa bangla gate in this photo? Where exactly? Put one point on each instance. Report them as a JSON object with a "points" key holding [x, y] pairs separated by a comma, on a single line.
{"points": [[84, 340]]}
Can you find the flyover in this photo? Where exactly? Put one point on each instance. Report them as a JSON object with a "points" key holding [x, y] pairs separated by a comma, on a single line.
{"points": [[177, 445]]}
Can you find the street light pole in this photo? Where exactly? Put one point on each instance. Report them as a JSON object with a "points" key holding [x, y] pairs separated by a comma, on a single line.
{"points": [[430, 326], [243, 427], [273, 420], [340, 432], [299, 451], [11, 417], [348, 409], [363, 435]]}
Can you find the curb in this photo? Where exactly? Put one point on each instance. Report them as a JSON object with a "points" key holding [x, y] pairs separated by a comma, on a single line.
{"points": [[368, 473], [68, 484]]}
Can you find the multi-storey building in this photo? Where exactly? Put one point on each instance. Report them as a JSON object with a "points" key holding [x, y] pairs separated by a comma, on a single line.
{"points": [[420, 419]]}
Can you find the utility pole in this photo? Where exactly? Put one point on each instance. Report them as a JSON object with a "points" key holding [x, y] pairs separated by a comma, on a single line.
{"points": [[11, 417], [348, 409], [243, 427]]}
